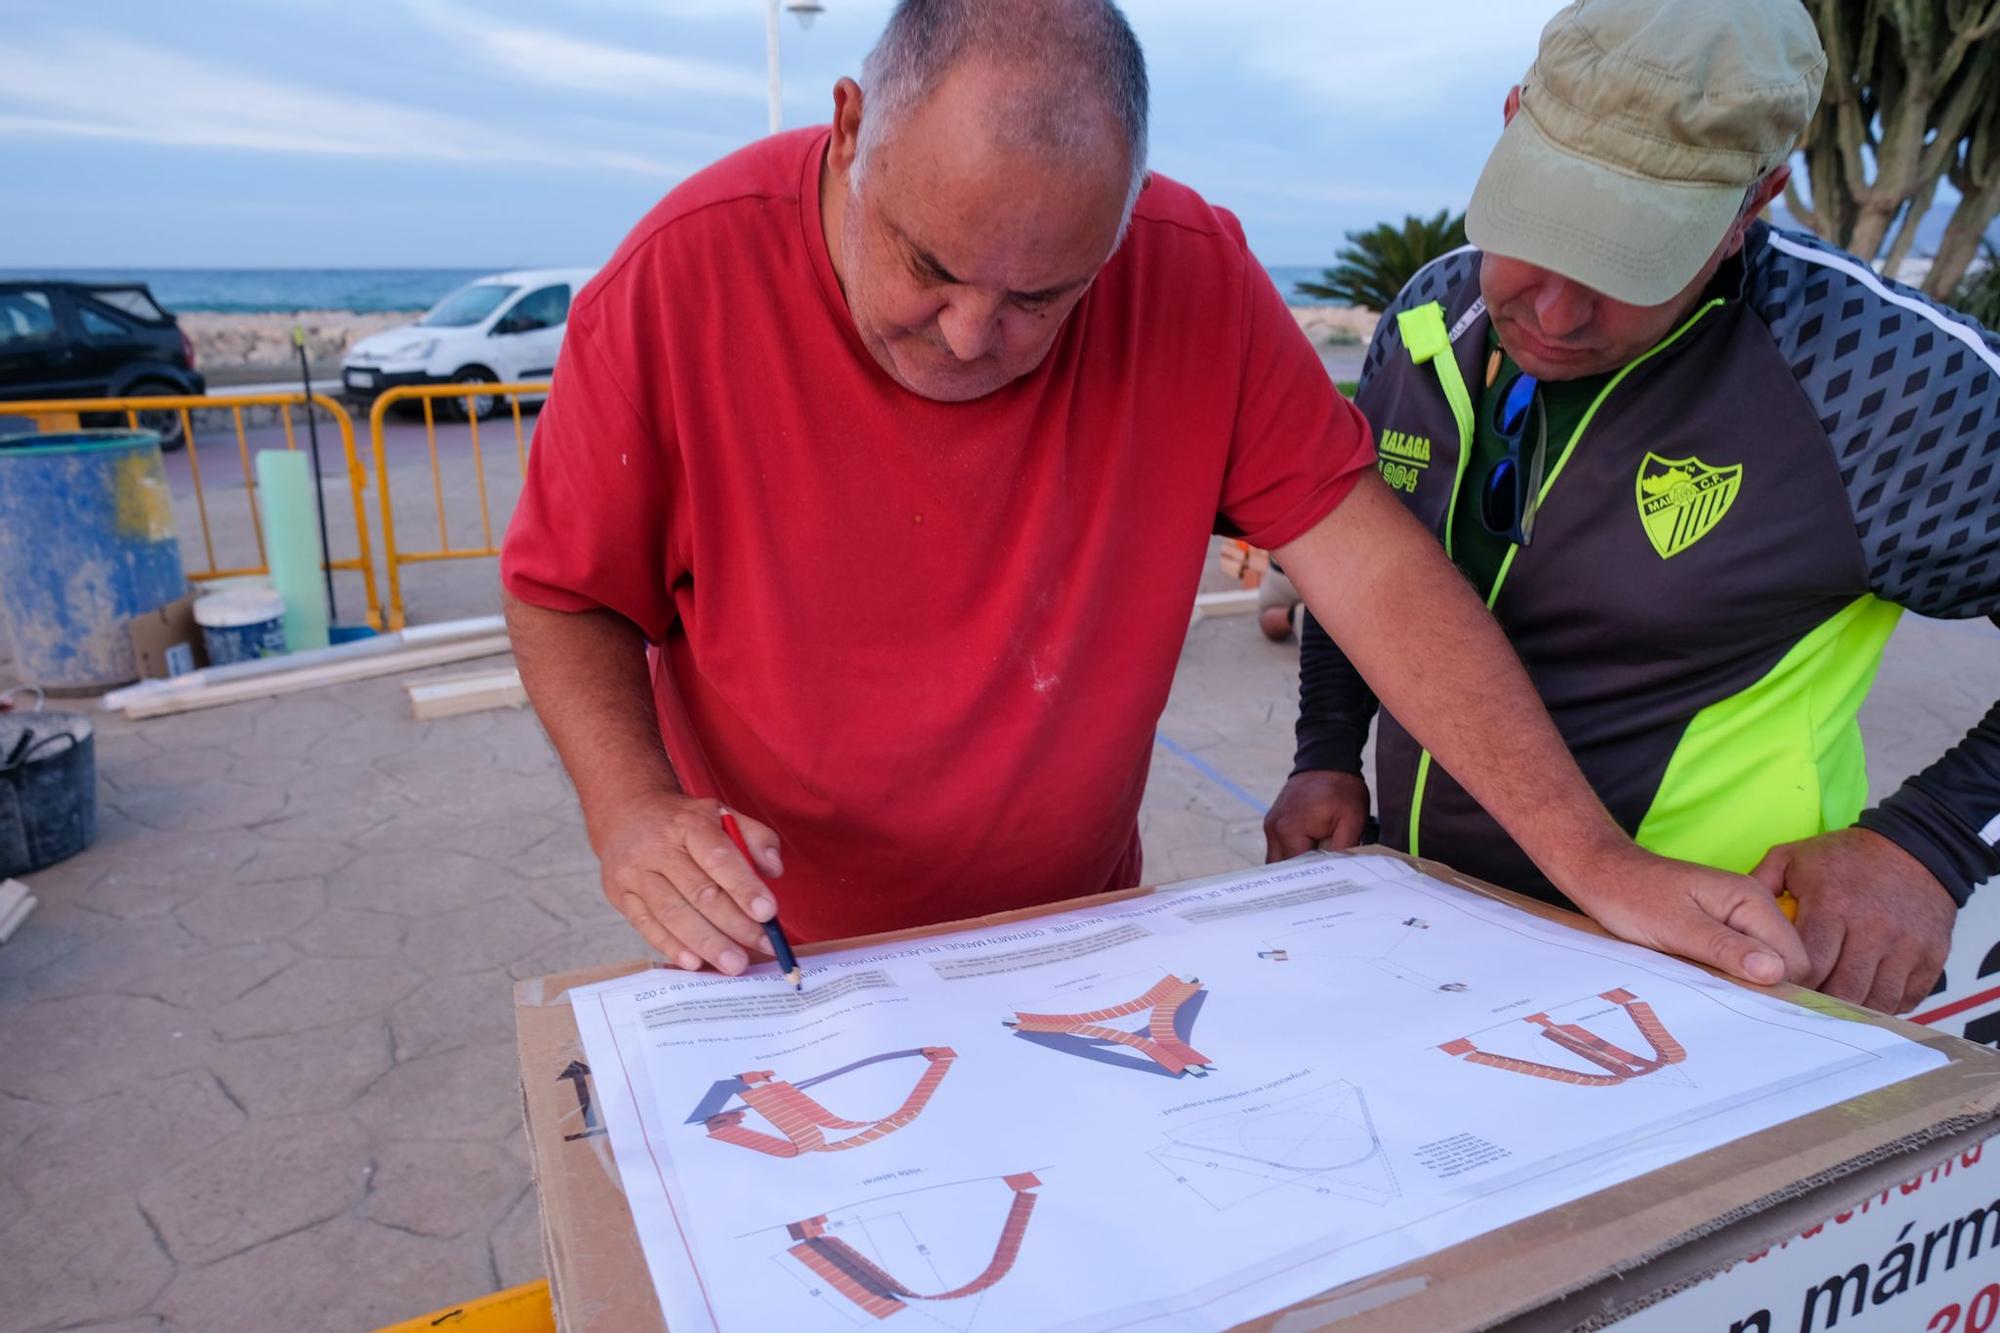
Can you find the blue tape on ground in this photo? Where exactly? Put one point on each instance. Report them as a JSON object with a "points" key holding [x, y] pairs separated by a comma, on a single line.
{"points": [[1209, 771]]}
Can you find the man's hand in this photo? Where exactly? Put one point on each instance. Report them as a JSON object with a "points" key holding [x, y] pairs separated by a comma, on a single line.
{"points": [[1730, 922], [1244, 563], [675, 875], [1316, 809], [1876, 924], [667, 864]]}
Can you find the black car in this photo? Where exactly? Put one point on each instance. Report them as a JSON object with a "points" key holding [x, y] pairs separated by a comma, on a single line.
{"points": [[94, 340]]}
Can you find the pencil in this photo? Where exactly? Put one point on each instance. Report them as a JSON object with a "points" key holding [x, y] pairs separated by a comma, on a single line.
{"points": [[781, 948]]}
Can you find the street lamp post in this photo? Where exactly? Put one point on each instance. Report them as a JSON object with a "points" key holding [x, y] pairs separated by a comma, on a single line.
{"points": [[805, 11]]}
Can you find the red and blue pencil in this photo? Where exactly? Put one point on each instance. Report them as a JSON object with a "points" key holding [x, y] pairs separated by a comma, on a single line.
{"points": [[781, 948]]}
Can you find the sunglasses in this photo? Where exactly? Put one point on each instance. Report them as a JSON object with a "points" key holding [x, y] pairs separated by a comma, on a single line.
{"points": [[1512, 489]]}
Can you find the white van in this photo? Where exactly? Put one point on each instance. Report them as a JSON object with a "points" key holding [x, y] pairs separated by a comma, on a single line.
{"points": [[504, 328]]}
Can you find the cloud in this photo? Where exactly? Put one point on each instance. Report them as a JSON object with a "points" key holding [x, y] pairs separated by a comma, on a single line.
{"points": [[561, 61], [1358, 59], [95, 85]]}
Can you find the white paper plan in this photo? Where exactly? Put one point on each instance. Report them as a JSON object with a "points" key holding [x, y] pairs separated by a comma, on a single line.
{"points": [[1177, 1112]]}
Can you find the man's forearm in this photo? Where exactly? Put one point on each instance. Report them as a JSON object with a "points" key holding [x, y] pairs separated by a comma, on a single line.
{"points": [[585, 673], [1430, 651]]}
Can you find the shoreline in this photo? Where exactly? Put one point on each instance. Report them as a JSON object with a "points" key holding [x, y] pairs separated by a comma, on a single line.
{"points": [[230, 343]]}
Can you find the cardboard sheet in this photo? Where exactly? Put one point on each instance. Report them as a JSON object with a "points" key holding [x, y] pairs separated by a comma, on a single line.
{"points": [[599, 1271]]}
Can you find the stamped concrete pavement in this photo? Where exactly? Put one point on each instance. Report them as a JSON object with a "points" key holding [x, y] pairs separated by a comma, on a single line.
{"points": [[256, 1061]]}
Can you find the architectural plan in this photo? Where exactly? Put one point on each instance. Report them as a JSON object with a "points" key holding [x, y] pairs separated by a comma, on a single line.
{"points": [[1178, 1111]]}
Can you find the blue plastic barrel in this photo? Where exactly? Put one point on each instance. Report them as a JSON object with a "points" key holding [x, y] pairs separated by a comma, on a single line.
{"points": [[86, 543]]}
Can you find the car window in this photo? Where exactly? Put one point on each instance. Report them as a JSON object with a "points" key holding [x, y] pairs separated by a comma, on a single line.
{"points": [[26, 317], [542, 309], [468, 305], [96, 324], [133, 301]]}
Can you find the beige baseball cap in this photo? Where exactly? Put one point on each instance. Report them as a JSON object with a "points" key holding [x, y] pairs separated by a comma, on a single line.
{"points": [[1643, 124]]}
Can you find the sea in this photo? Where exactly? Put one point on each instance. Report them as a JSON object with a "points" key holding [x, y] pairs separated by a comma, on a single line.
{"points": [[242, 290], [360, 289]]}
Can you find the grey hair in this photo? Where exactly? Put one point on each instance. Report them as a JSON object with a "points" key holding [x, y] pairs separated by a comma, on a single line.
{"points": [[1085, 47]]}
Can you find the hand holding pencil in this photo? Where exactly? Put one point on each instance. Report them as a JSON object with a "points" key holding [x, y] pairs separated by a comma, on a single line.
{"points": [[695, 894]]}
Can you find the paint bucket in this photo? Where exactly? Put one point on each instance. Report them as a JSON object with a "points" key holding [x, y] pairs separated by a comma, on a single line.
{"points": [[87, 542], [48, 789], [241, 622]]}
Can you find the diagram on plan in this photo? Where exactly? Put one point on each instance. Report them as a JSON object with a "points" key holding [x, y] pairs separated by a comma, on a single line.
{"points": [[1605, 1063], [1102, 1031], [857, 1252], [802, 1121], [1319, 1141]]}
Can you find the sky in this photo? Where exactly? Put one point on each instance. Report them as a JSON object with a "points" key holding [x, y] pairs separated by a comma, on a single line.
{"points": [[490, 133]]}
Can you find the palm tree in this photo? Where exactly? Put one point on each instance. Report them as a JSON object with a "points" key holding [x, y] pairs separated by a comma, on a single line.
{"points": [[1375, 264]]}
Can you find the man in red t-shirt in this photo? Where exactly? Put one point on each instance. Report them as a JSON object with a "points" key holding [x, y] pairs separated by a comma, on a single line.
{"points": [[901, 442]]}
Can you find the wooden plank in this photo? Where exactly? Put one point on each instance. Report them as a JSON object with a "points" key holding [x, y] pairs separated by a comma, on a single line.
{"points": [[311, 678], [15, 904], [466, 694], [1232, 603], [405, 640]]}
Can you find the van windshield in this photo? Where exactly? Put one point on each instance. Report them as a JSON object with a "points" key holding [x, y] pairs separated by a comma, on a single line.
{"points": [[467, 305]]}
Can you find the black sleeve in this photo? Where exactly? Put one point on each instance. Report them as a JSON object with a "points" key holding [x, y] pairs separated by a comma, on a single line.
{"points": [[1948, 816], [1335, 705], [1908, 393]]}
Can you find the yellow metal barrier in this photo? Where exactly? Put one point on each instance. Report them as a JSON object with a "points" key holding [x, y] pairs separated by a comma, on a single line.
{"points": [[63, 414], [394, 555], [523, 1309]]}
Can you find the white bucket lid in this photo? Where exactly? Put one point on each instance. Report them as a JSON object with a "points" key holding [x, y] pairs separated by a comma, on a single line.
{"points": [[232, 608]]}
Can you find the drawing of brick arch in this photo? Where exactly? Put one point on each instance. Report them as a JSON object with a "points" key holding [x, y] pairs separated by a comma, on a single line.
{"points": [[1169, 1005], [862, 1281], [1618, 1064], [802, 1119]]}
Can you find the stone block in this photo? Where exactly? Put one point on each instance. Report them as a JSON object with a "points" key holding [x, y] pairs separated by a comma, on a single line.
{"points": [[343, 1274], [577, 899], [594, 945], [473, 1092], [315, 992], [111, 1147], [95, 1260], [419, 882], [150, 873], [517, 1243], [444, 1190], [454, 1011], [201, 979], [477, 937], [201, 806], [342, 932], [157, 769], [235, 913], [502, 839], [281, 858], [267, 1180], [77, 1049], [565, 852], [324, 1069]]}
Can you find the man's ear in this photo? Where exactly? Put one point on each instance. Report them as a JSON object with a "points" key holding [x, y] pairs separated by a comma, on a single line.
{"points": [[847, 110], [1767, 189], [1510, 106], [1770, 188]]}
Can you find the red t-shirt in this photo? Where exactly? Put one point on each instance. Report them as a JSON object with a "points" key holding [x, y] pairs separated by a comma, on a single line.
{"points": [[928, 643]]}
